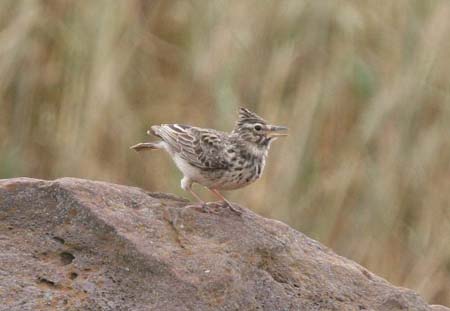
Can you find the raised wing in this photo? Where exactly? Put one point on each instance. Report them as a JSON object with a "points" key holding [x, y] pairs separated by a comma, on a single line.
{"points": [[202, 148]]}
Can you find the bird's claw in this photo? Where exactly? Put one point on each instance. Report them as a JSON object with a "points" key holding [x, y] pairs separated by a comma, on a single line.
{"points": [[233, 208], [202, 207], [208, 207]]}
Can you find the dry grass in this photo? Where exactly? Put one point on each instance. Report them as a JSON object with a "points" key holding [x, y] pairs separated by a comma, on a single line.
{"points": [[363, 86]]}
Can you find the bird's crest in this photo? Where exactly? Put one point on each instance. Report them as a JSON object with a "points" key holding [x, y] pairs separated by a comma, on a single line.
{"points": [[246, 116]]}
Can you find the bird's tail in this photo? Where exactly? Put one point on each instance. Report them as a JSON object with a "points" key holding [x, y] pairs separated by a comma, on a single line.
{"points": [[143, 146], [155, 145]]}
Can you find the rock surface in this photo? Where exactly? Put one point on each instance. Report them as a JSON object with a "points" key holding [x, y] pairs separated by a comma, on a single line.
{"points": [[73, 244]]}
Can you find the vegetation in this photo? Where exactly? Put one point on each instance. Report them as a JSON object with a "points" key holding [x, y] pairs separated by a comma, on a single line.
{"points": [[363, 86]]}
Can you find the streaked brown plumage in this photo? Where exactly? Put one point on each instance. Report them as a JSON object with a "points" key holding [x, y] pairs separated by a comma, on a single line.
{"points": [[214, 159]]}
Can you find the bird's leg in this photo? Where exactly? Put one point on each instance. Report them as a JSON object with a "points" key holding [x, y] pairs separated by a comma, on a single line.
{"points": [[230, 205], [195, 195], [203, 204], [186, 184]]}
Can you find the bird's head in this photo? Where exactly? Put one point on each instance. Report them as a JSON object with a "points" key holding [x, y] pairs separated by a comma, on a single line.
{"points": [[254, 129]]}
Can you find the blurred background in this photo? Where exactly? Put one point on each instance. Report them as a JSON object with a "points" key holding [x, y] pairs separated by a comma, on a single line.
{"points": [[364, 87]]}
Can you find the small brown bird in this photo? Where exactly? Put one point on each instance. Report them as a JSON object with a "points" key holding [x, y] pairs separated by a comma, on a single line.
{"points": [[214, 159]]}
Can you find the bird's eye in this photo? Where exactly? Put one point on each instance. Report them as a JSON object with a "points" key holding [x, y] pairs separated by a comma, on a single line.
{"points": [[258, 127]]}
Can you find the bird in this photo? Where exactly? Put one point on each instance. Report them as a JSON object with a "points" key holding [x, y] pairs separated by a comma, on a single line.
{"points": [[215, 159]]}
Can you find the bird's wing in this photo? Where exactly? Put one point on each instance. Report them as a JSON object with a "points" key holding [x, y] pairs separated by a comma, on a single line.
{"points": [[203, 148]]}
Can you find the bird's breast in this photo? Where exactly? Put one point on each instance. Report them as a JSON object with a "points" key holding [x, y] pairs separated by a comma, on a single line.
{"points": [[242, 173]]}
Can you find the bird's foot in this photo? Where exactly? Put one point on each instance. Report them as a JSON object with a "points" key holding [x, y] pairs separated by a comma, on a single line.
{"points": [[203, 207], [233, 208]]}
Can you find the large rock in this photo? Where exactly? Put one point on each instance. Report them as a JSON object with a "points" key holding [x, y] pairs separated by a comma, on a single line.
{"points": [[73, 244]]}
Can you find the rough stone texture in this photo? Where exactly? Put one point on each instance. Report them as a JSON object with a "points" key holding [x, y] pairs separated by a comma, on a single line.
{"points": [[73, 244]]}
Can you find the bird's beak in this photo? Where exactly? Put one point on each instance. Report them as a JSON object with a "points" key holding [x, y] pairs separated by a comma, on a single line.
{"points": [[277, 131]]}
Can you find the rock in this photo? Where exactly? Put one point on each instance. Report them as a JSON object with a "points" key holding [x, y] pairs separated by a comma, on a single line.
{"points": [[73, 244]]}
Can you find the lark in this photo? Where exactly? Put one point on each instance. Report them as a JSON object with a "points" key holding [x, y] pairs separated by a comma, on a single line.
{"points": [[217, 160]]}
